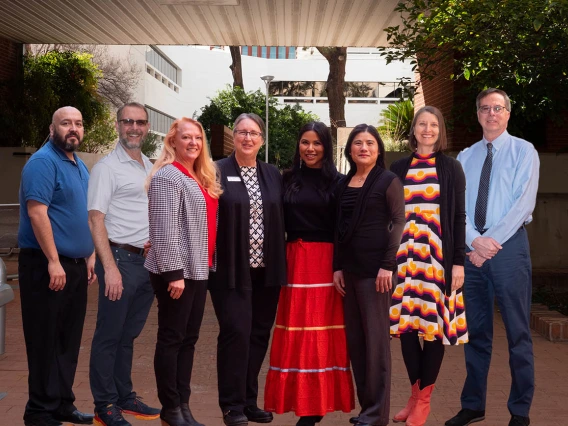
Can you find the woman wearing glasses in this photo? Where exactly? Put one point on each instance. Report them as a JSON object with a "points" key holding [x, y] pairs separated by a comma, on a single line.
{"points": [[251, 267], [183, 197], [428, 302]]}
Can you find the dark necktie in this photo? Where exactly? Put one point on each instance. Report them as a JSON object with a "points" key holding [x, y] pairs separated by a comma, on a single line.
{"points": [[483, 193]]}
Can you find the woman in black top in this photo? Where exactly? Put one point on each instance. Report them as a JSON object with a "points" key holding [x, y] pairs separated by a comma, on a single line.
{"points": [[428, 301], [309, 366], [251, 267], [369, 227]]}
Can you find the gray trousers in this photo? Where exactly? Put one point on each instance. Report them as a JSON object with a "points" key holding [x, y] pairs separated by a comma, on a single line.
{"points": [[118, 324], [368, 341]]}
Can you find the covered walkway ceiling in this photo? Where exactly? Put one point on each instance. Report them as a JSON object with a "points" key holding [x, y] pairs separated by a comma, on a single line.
{"points": [[203, 22]]}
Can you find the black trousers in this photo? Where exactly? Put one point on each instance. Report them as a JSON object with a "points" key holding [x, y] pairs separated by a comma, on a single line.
{"points": [[53, 327], [119, 323], [368, 341], [179, 321], [245, 320]]}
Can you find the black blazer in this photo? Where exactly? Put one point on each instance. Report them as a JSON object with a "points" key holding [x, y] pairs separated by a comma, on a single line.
{"points": [[233, 265], [452, 209]]}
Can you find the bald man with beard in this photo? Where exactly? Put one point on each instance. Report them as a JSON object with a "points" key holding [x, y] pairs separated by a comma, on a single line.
{"points": [[56, 264]]}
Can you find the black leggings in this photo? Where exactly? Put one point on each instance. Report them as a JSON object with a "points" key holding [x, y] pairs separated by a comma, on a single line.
{"points": [[421, 362]]}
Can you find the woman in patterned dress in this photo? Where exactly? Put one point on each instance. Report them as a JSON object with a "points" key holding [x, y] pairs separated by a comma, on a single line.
{"points": [[428, 300], [309, 367], [251, 268]]}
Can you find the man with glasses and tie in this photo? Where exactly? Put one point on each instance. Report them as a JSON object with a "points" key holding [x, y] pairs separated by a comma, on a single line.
{"points": [[502, 180], [118, 218]]}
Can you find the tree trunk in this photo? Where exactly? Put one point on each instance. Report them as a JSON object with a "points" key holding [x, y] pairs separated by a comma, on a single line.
{"points": [[337, 58], [236, 67]]}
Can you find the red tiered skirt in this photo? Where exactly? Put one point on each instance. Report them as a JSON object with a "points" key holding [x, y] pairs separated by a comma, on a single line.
{"points": [[309, 366]]}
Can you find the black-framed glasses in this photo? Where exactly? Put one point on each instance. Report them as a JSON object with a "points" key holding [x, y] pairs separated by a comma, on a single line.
{"points": [[244, 133], [497, 109], [130, 122]]}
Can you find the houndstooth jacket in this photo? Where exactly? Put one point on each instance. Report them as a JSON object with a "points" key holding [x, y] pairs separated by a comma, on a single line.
{"points": [[178, 227]]}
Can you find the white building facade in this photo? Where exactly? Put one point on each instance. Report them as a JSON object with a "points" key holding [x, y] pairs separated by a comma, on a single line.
{"points": [[179, 80]]}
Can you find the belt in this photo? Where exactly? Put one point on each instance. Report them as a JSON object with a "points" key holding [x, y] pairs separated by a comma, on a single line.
{"points": [[127, 247], [483, 231], [39, 252]]}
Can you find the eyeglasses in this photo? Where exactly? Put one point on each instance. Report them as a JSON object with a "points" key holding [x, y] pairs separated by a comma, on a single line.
{"points": [[130, 122], [244, 133], [497, 109]]}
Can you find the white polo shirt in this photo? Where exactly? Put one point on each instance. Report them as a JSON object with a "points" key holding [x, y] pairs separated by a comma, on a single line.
{"points": [[116, 188]]}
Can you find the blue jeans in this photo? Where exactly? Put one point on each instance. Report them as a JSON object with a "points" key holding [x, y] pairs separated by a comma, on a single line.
{"points": [[118, 324], [507, 277]]}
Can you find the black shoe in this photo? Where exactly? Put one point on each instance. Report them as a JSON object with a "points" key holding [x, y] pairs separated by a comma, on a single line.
{"points": [[234, 418], [466, 417], [110, 416], [172, 417], [309, 420], [138, 409], [76, 417], [256, 415], [354, 420], [519, 421], [41, 421], [186, 413]]}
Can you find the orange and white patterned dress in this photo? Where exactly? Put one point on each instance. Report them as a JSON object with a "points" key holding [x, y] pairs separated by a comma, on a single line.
{"points": [[419, 301]]}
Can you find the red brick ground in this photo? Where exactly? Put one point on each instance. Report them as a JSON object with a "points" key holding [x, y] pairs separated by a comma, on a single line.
{"points": [[550, 406]]}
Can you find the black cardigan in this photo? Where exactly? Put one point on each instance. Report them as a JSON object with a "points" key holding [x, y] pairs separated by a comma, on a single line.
{"points": [[452, 208], [233, 265], [370, 239]]}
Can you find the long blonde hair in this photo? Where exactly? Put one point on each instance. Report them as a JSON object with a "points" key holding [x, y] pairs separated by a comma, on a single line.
{"points": [[205, 169]]}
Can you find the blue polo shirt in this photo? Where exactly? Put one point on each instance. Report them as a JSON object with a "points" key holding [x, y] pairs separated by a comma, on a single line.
{"points": [[51, 178]]}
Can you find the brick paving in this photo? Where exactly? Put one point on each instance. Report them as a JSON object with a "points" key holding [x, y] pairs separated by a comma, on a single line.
{"points": [[550, 407]]}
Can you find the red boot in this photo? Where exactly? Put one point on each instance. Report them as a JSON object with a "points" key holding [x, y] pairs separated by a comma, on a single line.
{"points": [[419, 413], [402, 415]]}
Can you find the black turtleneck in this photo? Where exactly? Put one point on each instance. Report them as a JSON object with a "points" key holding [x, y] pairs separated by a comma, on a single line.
{"points": [[310, 216]]}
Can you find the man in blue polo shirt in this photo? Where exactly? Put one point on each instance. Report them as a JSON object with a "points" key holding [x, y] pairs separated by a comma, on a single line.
{"points": [[56, 264]]}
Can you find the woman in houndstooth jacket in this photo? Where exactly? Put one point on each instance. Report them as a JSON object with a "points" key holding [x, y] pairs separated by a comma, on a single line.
{"points": [[183, 194]]}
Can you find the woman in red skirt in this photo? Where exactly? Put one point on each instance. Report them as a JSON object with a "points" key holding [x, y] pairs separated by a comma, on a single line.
{"points": [[309, 367]]}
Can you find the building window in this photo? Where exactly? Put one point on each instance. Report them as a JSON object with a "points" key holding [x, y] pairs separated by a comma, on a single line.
{"points": [[245, 50], [159, 122], [272, 52], [281, 52], [263, 52], [254, 51], [162, 64], [292, 53]]}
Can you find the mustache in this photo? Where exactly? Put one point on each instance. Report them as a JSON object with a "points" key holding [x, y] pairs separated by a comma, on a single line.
{"points": [[72, 134]]}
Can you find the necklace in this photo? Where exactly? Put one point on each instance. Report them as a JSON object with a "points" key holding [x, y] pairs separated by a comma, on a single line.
{"points": [[362, 178]]}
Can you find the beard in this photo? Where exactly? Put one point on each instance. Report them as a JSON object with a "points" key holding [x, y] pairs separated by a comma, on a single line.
{"points": [[64, 143], [127, 144]]}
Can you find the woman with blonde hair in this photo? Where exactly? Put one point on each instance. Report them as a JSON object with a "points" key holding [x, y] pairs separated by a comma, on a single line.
{"points": [[183, 195]]}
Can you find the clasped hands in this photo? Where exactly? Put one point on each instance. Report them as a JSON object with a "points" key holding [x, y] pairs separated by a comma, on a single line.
{"points": [[484, 248]]}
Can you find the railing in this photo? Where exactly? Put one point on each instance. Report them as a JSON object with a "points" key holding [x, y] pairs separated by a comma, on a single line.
{"points": [[6, 296], [324, 100]]}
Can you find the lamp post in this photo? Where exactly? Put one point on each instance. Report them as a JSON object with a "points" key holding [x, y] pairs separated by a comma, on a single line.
{"points": [[267, 79]]}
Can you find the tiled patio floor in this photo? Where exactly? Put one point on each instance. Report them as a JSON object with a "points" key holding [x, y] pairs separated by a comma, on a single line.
{"points": [[550, 406]]}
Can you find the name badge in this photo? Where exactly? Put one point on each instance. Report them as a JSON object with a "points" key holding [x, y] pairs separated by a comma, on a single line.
{"points": [[233, 178]]}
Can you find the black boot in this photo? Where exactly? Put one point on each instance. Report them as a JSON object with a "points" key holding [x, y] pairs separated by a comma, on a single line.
{"points": [[172, 417], [186, 413], [309, 420]]}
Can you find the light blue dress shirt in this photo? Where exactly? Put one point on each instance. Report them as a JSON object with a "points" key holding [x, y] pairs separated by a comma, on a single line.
{"points": [[512, 189]]}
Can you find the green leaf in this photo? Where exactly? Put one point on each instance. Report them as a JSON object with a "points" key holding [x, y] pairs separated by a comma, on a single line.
{"points": [[537, 23], [466, 73]]}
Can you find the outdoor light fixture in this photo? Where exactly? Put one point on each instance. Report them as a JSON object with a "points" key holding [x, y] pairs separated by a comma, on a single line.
{"points": [[267, 79]]}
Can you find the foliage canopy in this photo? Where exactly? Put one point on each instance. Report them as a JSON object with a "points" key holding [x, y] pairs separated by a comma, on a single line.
{"points": [[284, 122], [519, 46]]}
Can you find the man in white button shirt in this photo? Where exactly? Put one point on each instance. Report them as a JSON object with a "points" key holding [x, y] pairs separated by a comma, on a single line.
{"points": [[118, 218]]}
